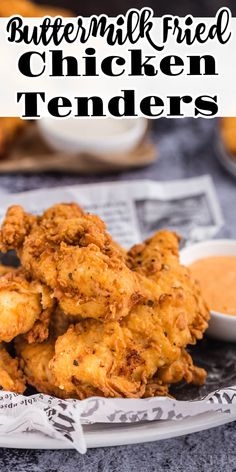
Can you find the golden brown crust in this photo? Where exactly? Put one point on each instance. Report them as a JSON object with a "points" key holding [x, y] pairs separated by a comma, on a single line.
{"points": [[25, 308], [138, 311], [11, 377], [72, 253], [94, 356], [120, 358], [34, 360], [158, 260]]}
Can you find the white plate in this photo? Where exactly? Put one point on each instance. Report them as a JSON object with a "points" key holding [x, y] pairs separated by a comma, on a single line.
{"points": [[103, 435]]}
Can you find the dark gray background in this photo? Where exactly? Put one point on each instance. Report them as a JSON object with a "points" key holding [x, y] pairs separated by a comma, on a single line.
{"points": [[185, 148]]}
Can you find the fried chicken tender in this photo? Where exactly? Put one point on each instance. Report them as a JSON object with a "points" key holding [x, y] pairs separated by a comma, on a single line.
{"points": [[25, 308], [11, 377], [92, 284], [112, 359], [89, 360], [34, 361], [115, 359], [137, 312], [34, 358], [72, 254], [121, 358], [158, 260]]}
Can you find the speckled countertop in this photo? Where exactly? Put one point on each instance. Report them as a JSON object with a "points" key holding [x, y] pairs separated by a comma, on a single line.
{"points": [[186, 148]]}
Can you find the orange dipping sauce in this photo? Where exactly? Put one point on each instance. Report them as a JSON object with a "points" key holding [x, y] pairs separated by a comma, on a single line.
{"points": [[217, 278]]}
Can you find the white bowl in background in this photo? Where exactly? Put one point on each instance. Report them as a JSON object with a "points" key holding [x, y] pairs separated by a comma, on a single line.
{"points": [[221, 326], [92, 135]]}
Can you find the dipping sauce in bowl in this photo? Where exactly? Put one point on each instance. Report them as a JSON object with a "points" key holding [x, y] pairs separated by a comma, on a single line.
{"points": [[217, 278], [213, 265]]}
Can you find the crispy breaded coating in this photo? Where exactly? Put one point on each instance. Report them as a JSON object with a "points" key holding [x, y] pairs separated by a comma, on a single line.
{"points": [[72, 253], [34, 361], [116, 359], [120, 358], [133, 315], [158, 260], [25, 308], [95, 356], [16, 227], [35, 357], [11, 377]]}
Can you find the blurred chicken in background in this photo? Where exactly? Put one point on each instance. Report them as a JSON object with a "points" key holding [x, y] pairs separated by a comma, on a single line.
{"points": [[228, 132]]}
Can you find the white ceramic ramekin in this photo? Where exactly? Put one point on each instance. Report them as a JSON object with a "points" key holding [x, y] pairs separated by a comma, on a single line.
{"points": [[221, 326], [65, 135]]}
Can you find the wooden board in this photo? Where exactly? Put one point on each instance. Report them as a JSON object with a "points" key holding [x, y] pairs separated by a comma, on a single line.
{"points": [[30, 154]]}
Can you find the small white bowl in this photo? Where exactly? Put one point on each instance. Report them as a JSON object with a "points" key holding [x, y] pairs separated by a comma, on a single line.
{"points": [[93, 136], [221, 326]]}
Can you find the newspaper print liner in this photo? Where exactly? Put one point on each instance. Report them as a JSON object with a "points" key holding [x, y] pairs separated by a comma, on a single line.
{"points": [[134, 210], [64, 419]]}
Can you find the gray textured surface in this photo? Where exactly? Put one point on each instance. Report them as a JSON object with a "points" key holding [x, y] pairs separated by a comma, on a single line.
{"points": [[186, 148]]}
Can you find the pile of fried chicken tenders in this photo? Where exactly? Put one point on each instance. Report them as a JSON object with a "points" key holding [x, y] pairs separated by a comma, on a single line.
{"points": [[83, 317]]}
